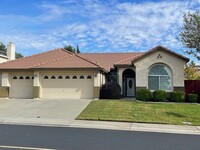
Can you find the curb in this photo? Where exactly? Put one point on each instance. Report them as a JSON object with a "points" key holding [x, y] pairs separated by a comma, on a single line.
{"points": [[124, 126]]}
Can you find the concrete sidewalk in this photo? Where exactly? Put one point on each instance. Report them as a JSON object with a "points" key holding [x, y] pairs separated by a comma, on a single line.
{"points": [[126, 126], [180, 129]]}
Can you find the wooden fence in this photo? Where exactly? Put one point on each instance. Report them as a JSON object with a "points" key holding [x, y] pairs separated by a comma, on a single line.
{"points": [[192, 86]]}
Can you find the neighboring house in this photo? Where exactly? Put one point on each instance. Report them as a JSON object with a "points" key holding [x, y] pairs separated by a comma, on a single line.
{"points": [[62, 74], [10, 55]]}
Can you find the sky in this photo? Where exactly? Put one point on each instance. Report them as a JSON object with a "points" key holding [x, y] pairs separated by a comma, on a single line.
{"points": [[36, 26]]}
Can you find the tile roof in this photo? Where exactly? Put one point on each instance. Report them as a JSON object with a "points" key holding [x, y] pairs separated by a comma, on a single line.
{"points": [[108, 60], [60, 58]]}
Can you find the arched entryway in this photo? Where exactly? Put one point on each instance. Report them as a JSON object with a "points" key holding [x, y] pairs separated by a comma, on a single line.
{"points": [[128, 83]]}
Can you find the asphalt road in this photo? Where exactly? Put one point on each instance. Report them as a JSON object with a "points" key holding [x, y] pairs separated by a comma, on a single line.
{"points": [[64, 138]]}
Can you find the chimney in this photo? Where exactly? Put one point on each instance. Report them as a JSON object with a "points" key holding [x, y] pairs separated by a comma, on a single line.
{"points": [[11, 51]]}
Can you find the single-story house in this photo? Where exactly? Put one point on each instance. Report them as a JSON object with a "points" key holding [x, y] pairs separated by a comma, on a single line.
{"points": [[61, 74]]}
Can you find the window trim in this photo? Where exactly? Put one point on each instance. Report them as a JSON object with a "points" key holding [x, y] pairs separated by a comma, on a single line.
{"points": [[67, 77], [169, 71], [53, 77], [74, 77], [60, 77], [81, 77], [89, 77], [46, 77], [14, 78], [21, 77]]}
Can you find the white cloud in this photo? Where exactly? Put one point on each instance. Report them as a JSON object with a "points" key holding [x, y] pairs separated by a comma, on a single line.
{"points": [[108, 26], [52, 11]]}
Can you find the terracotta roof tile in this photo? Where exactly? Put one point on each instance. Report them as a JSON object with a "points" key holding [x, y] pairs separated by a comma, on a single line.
{"points": [[60, 58], [107, 60], [73, 61]]}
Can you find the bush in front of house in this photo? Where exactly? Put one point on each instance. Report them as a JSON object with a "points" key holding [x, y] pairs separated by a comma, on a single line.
{"points": [[192, 98], [159, 96], [143, 95], [177, 96], [110, 90]]}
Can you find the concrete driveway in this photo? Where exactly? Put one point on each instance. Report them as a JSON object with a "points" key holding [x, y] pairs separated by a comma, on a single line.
{"points": [[41, 112]]}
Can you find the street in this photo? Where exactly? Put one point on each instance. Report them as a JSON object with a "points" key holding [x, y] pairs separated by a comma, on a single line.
{"points": [[64, 138]]}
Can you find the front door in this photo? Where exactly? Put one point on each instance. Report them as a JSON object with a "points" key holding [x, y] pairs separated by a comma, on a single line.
{"points": [[130, 84]]}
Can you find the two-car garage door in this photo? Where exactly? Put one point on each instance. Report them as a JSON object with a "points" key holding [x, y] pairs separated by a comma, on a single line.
{"points": [[67, 86], [53, 86]]}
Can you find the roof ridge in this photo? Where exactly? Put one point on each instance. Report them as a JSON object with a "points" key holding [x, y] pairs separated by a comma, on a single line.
{"points": [[30, 56], [52, 60], [78, 55], [128, 58], [112, 53], [162, 48], [90, 61]]}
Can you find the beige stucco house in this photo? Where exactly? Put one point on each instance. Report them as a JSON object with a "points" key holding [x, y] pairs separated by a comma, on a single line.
{"points": [[62, 74]]}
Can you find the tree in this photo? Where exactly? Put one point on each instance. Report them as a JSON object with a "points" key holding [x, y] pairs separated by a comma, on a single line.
{"points": [[192, 71], [190, 34], [72, 49], [18, 55], [4, 49], [77, 49]]}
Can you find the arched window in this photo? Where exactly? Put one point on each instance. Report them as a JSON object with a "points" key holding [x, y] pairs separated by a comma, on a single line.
{"points": [[159, 78], [67, 77], [74, 77], [14, 77], [27, 77], [53, 77], [46, 77], [89, 77], [81, 77], [21, 77], [60, 77]]}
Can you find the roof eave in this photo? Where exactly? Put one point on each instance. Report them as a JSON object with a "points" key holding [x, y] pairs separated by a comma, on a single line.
{"points": [[159, 47]]}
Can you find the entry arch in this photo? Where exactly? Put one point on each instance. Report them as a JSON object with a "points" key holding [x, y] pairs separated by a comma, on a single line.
{"points": [[128, 86]]}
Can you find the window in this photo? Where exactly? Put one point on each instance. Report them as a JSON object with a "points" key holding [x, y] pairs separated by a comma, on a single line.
{"points": [[74, 77], [159, 78], [60, 77], [81, 77], [21, 77], [46, 77], [67, 77], [14, 77], [112, 76], [27, 77], [89, 77], [53, 77]]}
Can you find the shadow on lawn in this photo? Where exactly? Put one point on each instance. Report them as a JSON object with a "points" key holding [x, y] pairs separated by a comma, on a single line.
{"points": [[175, 114]]}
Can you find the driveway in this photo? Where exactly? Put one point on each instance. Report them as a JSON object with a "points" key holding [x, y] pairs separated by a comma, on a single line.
{"points": [[41, 111]]}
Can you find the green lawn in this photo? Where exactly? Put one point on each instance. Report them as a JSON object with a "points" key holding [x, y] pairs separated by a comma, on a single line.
{"points": [[149, 112]]}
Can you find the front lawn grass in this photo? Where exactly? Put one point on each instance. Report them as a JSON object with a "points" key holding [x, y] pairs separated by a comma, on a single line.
{"points": [[146, 112]]}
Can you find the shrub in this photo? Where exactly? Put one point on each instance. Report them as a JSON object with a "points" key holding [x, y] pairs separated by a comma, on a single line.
{"points": [[143, 94], [110, 90], [177, 96], [192, 98], [159, 95]]}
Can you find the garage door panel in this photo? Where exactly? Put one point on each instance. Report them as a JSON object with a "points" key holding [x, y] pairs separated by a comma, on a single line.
{"points": [[67, 88], [21, 87]]}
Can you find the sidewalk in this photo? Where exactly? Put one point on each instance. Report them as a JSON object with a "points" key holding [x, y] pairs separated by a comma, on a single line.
{"points": [[126, 126], [179, 129]]}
